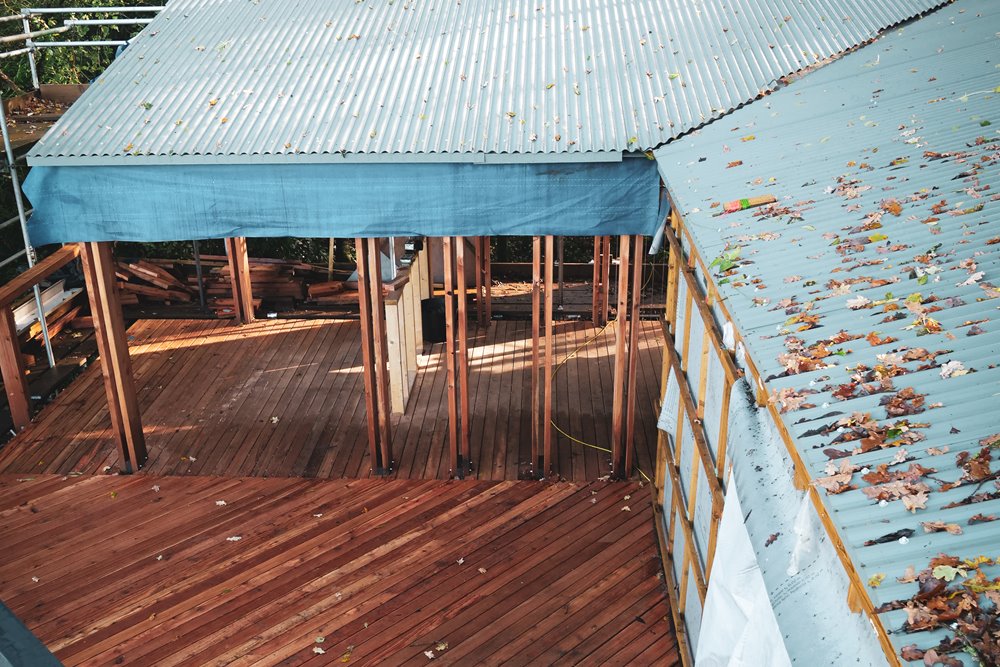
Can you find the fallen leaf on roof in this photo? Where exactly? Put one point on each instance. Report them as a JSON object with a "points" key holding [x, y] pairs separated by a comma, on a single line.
{"points": [[318, 651], [940, 527], [234, 538], [429, 654], [460, 561], [626, 508], [947, 572], [876, 580], [858, 302], [220, 503], [482, 570], [953, 369]]}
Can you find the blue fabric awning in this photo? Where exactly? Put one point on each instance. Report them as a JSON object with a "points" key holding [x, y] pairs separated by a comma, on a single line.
{"points": [[176, 202]]}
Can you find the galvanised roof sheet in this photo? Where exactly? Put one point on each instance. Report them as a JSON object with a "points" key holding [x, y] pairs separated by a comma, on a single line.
{"points": [[476, 80], [867, 295]]}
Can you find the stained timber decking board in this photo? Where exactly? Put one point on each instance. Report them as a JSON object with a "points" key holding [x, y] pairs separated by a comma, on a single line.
{"points": [[143, 570], [283, 398]]}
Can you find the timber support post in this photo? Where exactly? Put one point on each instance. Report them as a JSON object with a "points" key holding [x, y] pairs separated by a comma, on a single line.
{"points": [[627, 330], [239, 275], [374, 355], [537, 463], [464, 457], [112, 344], [542, 369]]}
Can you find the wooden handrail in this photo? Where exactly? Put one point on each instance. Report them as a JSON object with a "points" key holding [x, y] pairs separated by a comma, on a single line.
{"points": [[39, 272], [11, 363]]}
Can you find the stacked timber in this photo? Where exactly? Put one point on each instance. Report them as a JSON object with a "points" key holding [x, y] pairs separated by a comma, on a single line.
{"points": [[141, 279], [281, 284]]}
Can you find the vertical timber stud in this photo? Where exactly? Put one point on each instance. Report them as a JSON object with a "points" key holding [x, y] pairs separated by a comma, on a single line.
{"points": [[605, 279], [239, 274], [464, 458], [15, 383], [618, 387], [477, 244], [112, 345], [380, 349], [536, 318], [367, 352], [447, 265], [633, 353], [596, 286], [549, 360], [488, 277]]}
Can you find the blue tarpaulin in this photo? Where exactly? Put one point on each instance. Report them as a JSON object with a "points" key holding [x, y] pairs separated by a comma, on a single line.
{"points": [[177, 202]]}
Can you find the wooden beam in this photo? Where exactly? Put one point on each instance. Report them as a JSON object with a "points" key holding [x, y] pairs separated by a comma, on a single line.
{"points": [[112, 344], [367, 351], [15, 383], [488, 276], [633, 353], [239, 275], [619, 385], [536, 318], [381, 356], [463, 360], [449, 336], [547, 455]]}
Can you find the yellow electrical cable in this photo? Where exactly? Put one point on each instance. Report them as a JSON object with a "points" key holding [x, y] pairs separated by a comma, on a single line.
{"points": [[556, 370]]}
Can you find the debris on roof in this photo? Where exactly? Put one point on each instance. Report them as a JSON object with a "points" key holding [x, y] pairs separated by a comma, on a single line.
{"points": [[867, 296], [308, 79]]}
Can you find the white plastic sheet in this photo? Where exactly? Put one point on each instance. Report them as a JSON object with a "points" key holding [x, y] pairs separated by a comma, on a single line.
{"points": [[738, 628]]}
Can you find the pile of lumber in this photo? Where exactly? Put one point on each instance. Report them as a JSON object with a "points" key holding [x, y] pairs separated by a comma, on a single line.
{"points": [[280, 284], [333, 293], [151, 282]]}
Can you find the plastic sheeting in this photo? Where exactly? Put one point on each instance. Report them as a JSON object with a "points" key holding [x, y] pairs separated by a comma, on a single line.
{"points": [[738, 628], [172, 203], [805, 581]]}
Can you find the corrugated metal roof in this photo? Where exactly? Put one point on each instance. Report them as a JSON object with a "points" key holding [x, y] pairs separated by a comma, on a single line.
{"points": [[887, 225], [279, 80]]}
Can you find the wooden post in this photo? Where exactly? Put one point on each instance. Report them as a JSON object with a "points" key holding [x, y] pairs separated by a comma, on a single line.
{"points": [[464, 462], [488, 277], [380, 350], [605, 280], [112, 345], [595, 305], [536, 318], [449, 336], [477, 244], [367, 352], [618, 387], [239, 275], [549, 354], [633, 353], [12, 366]]}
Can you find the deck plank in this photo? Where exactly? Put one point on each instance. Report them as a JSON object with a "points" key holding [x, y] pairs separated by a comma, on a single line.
{"points": [[370, 565], [210, 391]]}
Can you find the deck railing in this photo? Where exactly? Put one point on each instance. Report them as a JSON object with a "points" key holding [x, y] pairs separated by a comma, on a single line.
{"points": [[15, 381]]}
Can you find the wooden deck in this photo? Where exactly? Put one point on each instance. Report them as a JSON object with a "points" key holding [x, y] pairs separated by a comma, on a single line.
{"points": [[144, 570], [283, 398]]}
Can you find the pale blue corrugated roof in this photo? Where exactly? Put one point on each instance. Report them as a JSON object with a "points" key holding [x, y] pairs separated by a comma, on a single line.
{"points": [[393, 80], [885, 168]]}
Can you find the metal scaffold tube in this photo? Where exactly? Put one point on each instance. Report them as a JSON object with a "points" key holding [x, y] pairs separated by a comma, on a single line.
{"points": [[23, 219]]}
